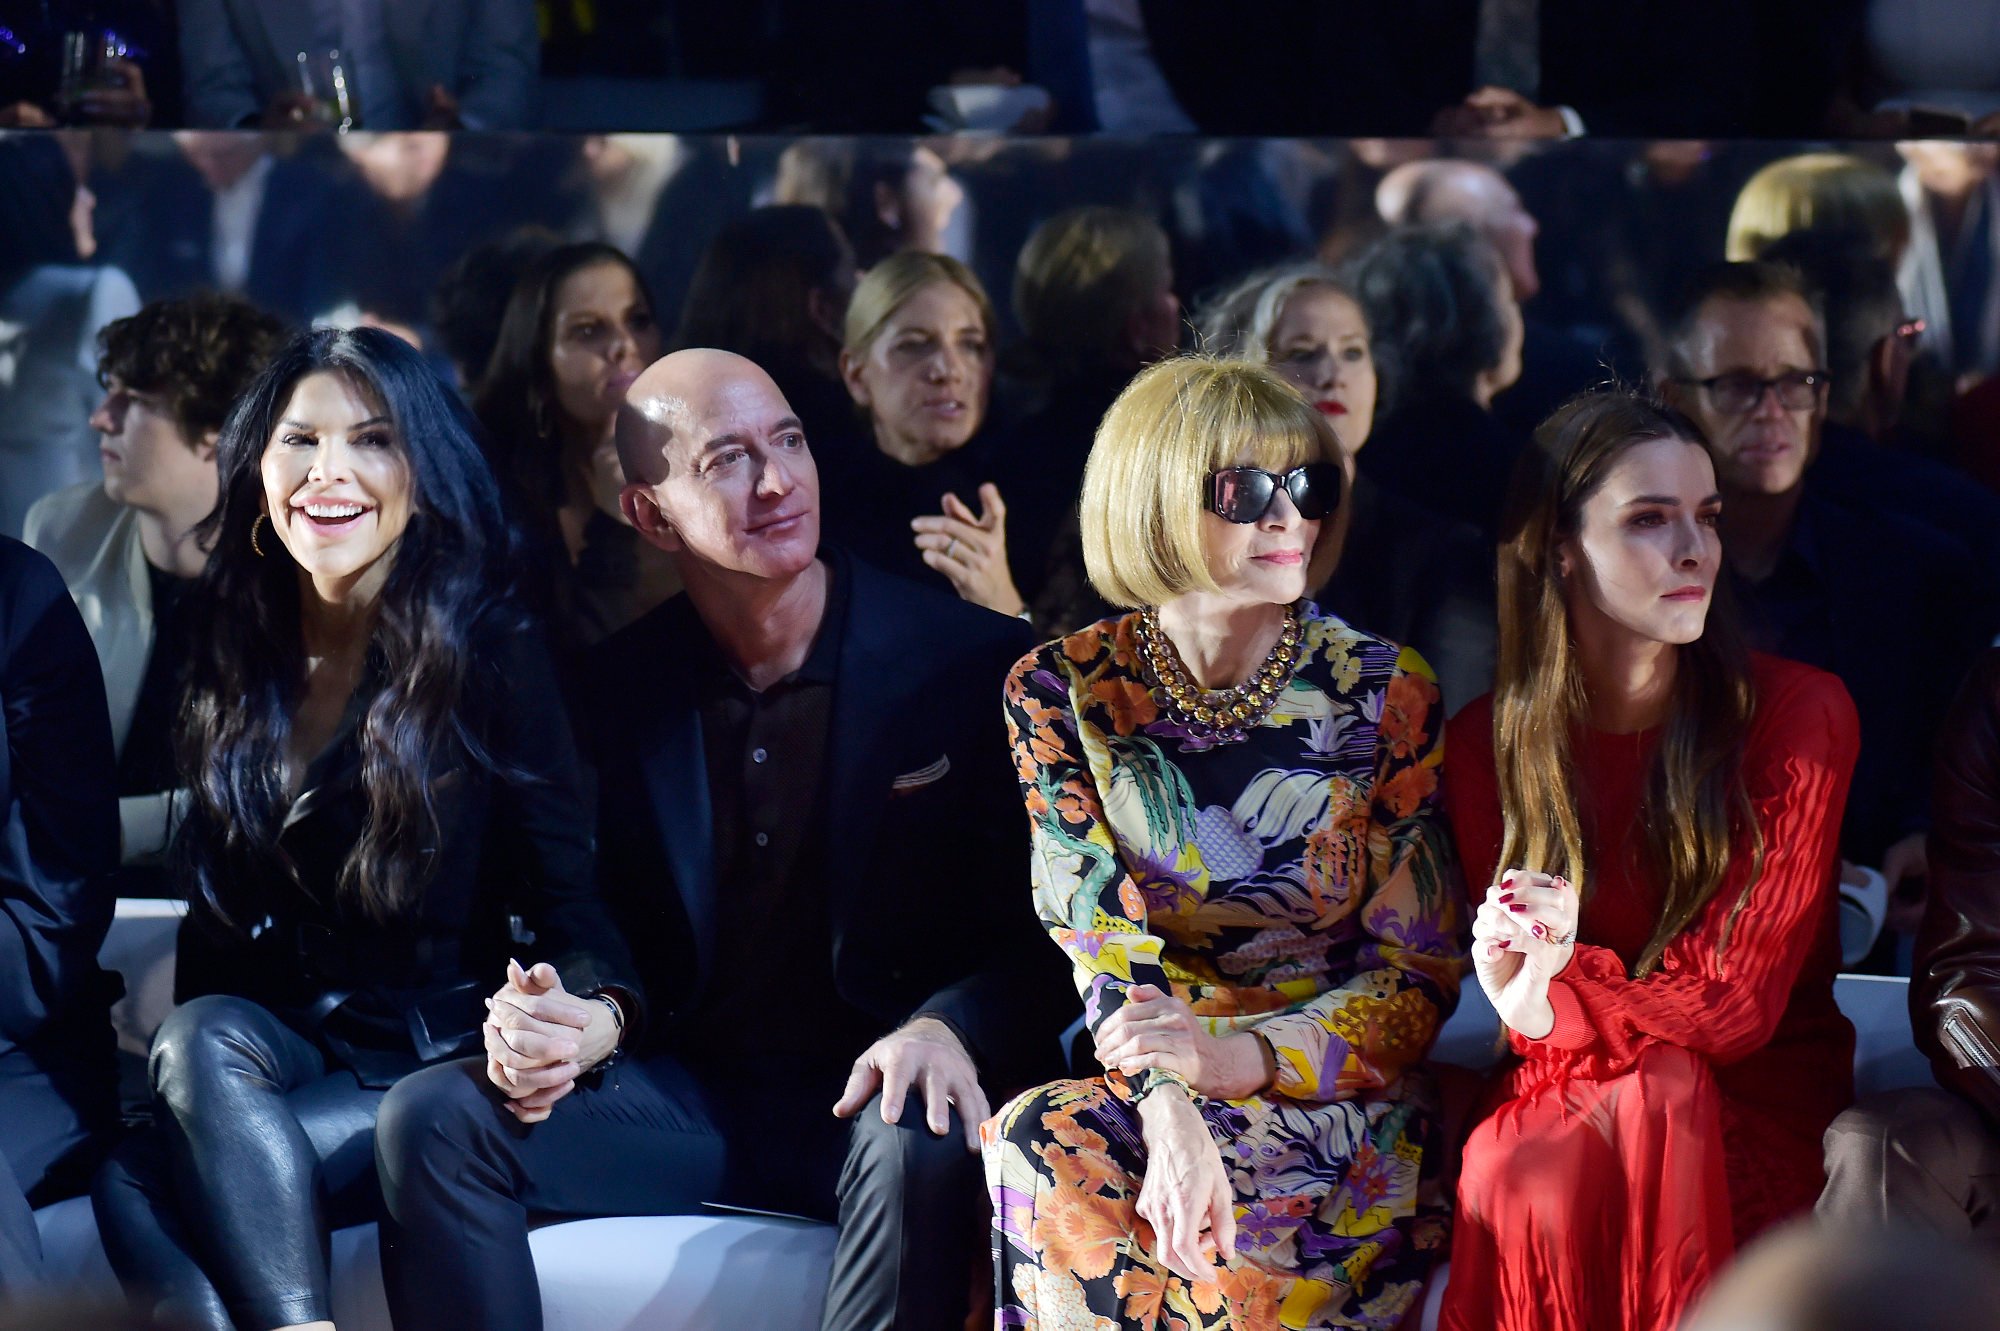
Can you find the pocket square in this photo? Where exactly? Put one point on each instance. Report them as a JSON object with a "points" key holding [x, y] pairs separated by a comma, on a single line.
{"points": [[923, 776]]}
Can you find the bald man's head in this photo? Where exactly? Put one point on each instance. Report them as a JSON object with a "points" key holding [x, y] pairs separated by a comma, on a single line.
{"points": [[1470, 192], [716, 465]]}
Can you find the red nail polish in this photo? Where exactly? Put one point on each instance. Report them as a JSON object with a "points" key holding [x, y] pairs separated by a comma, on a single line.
{"points": [[1506, 896], [1517, 907]]}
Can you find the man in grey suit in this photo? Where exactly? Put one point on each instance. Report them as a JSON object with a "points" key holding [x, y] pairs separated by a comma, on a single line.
{"points": [[410, 64]]}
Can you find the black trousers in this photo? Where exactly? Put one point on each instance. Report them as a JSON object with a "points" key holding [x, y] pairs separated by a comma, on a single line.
{"points": [[53, 1132], [220, 1214], [460, 1178]]}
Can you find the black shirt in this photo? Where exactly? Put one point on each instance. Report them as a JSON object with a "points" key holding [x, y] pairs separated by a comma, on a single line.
{"points": [[146, 763], [766, 759]]}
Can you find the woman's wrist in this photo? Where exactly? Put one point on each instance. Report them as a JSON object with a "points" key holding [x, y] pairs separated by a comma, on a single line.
{"points": [[1248, 1065], [1534, 1017]]}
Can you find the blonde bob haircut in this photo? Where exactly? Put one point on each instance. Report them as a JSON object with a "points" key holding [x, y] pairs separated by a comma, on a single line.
{"points": [[1823, 192], [885, 287], [1179, 420]]}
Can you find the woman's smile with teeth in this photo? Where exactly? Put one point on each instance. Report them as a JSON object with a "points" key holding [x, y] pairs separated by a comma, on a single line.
{"points": [[334, 510]]}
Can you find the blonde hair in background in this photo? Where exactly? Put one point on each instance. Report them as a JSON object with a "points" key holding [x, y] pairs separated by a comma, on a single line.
{"points": [[1822, 191], [884, 288], [1140, 513], [1082, 276]]}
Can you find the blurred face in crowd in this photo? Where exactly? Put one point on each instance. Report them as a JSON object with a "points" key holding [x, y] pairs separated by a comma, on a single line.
{"points": [[337, 484], [1763, 448], [1482, 197], [401, 167], [1953, 170], [601, 334], [219, 157], [1645, 556], [1262, 562], [1513, 337], [931, 194], [925, 378], [1320, 343], [150, 464], [1156, 325], [719, 471]]}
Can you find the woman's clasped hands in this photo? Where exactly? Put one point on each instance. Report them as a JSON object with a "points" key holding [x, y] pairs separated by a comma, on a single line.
{"points": [[1522, 937]]}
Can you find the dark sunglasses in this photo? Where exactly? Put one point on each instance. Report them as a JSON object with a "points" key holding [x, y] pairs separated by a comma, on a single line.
{"points": [[1245, 494]]}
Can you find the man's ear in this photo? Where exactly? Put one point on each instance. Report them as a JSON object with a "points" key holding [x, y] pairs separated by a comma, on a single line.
{"points": [[204, 447], [888, 205], [642, 509]]}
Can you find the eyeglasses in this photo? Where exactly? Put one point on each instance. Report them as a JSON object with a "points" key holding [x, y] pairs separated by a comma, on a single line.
{"points": [[1245, 494], [1909, 331], [1738, 393]]}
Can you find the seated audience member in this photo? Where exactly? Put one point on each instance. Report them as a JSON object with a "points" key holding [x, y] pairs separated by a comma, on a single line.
{"points": [[1823, 581], [801, 821], [659, 198], [1666, 980], [1094, 294], [381, 789], [1235, 818], [578, 329], [888, 195], [1556, 362], [1827, 192], [1449, 339], [1405, 572], [52, 302], [226, 212], [466, 64], [1949, 274], [1870, 345], [469, 303], [58, 844], [126, 543], [1931, 1156], [1809, 1277], [774, 286], [918, 360]]}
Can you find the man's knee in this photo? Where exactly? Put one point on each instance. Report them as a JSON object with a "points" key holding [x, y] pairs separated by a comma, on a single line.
{"points": [[1925, 1126], [907, 1154], [441, 1107]]}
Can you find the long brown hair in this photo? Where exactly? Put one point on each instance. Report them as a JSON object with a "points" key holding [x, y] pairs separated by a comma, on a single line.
{"points": [[1696, 811]]}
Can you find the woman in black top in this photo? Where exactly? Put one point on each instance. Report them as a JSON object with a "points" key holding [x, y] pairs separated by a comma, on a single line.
{"points": [[385, 808]]}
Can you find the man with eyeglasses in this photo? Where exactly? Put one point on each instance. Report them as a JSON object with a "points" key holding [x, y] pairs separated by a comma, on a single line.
{"points": [[1852, 587]]}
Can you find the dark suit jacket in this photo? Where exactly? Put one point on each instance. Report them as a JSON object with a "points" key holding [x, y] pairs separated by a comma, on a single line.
{"points": [[239, 54], [407, 991], [158, 224], [927, 855], [58, 820]]}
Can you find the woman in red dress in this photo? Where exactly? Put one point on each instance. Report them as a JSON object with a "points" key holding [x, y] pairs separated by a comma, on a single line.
{"points": [[1656, 810]]}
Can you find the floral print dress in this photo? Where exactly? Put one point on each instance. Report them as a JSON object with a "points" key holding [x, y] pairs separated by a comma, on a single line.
{"points": [[1296, 881]]}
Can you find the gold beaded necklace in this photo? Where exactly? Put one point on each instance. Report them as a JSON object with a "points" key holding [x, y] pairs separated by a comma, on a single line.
{"points": [[1220, 714]]}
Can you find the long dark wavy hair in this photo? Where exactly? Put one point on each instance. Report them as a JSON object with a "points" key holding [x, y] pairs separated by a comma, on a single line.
{"points": [[515, 399], [1696, 813], [452, 568]]}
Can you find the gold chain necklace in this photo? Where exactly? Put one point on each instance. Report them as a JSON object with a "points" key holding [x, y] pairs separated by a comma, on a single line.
{"points": [[1218, 714]]}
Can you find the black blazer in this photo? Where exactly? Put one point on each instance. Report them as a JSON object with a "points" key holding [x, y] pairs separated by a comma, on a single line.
{"points": [[931, 904], [513, 863], [58, 819]]}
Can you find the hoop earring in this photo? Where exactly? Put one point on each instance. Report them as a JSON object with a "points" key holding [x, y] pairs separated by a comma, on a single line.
{"points": [[254, 543]]}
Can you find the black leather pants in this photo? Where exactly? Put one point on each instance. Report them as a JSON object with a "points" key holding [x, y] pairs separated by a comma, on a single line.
{"points": [[224, 1208]]}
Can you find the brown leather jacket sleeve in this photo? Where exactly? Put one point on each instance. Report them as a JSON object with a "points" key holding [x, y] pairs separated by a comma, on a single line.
{"points": [[1955, 994]]}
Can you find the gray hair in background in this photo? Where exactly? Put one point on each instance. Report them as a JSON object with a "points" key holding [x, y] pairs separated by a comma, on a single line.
{"points": [[1238, 321], [1431, 294]]}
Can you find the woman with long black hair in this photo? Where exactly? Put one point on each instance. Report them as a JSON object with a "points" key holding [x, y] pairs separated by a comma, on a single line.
{"points": [[385, 809]]}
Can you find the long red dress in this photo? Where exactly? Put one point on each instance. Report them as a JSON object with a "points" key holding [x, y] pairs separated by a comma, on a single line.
{"points": [[1663, 1120]]}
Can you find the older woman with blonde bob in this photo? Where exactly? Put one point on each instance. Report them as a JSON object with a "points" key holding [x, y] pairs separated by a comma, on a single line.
{"points": [[917, 358], [1234, 806]]}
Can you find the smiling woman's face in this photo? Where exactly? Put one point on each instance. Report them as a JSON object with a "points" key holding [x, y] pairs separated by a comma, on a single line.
{"points": [[337, 483]]}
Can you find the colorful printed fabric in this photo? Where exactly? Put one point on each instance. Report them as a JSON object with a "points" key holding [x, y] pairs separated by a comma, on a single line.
{"points": [[1296, 881]]}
